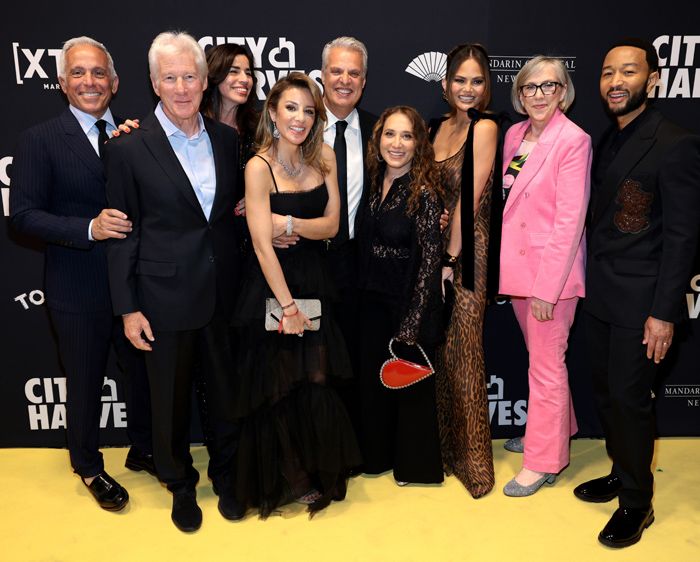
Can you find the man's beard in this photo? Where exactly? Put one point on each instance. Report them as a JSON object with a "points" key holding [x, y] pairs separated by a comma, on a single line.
{"points": [[634, 101]]}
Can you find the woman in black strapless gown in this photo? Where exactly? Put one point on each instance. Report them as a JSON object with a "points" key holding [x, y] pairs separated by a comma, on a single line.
{"points": [[296, 442]]}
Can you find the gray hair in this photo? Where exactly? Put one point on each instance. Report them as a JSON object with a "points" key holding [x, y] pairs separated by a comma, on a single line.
{"points": [[534, 65], [349, 43], [176, 42], [84, 40]]}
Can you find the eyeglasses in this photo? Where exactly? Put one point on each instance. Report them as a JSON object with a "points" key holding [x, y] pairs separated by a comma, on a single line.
{"points": [[548, 88]]}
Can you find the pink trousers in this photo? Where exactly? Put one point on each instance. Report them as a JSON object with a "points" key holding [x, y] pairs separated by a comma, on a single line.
{"points": [[550, 412]]}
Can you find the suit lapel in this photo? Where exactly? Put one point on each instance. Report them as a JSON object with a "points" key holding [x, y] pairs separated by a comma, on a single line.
{"points": [[629, 156], [78, 142], [157, 143], [219, 156], [536, 158]]}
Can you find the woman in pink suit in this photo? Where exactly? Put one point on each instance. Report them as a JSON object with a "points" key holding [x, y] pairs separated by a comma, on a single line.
{"points": [[546, 184]]}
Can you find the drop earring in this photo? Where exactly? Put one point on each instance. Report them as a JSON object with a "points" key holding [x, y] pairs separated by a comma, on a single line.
{"points": [[275, 130]]}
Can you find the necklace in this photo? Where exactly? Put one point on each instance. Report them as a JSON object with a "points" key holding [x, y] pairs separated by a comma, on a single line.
{"points": [[290, 170]]}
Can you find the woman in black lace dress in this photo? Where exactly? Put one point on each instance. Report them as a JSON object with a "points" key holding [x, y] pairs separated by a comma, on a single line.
{"points": [[296, 439], [400, 248]]}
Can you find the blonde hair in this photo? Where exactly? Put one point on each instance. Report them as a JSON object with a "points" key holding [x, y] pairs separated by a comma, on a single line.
{"points": [[313, 144], [533, 66]]}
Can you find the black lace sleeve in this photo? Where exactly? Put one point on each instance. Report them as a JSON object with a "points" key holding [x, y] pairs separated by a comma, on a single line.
{"points": [[429, 241]]}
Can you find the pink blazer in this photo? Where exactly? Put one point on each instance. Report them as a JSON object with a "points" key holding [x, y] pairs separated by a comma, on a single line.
{"points": [[543, 248]]}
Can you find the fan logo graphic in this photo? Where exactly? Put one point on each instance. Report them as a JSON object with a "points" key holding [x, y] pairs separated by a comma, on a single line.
{"points": [[47, 404], [5, 163], [272, 59], [679, 75], [693, 299], [31, 64], [688, 392], [432, 66], [509, 413]]}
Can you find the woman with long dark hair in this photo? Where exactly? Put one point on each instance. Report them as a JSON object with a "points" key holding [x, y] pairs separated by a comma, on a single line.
{"points": [[400, 247], [230, 99], [466, 145]]}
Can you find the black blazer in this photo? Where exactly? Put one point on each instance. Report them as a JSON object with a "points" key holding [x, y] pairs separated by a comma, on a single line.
{"points": [[175, 265], [367, 122], [643, 230], [58, 187]]}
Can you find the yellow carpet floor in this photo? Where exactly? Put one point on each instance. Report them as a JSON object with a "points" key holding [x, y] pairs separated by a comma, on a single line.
{"points": [[48, 515]]}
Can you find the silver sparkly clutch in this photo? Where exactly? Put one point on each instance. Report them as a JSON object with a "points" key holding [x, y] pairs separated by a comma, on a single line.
{"points": [[311, 308]]}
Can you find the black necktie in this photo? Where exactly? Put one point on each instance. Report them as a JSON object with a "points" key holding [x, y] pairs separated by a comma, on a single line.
{"points": [[102, 137], [341, 157]]}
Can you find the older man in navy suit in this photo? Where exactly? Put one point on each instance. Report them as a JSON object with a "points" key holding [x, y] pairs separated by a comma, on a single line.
{"points": [[58, 196]]}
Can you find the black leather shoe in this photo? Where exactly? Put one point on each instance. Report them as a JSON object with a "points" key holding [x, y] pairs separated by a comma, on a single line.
{"points": [[137, 460], [186, 513], [108, 492], [626, 526], [599, 490], [230, 508]]}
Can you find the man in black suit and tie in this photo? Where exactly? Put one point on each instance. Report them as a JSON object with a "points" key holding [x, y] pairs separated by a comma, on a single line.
{"points": [[58, 195], [643, 232], [173, 278]]}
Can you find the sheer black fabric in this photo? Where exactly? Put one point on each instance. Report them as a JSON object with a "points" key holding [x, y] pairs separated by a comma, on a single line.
{"points": [[295, 433]]}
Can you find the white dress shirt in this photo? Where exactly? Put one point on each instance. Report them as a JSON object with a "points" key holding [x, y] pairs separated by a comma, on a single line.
{"points": [[355, 164]]}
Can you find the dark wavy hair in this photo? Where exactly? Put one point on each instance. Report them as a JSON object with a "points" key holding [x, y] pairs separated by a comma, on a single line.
{"points": [[424, 174], [219, 61], [456, 57]]}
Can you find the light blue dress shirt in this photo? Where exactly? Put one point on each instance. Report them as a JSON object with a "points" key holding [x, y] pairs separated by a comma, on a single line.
{"points": [[87, 124], [196, 157]]}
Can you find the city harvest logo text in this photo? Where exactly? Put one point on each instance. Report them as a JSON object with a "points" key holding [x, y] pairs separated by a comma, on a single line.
{"points": [[679, 62], [273, 58], [506, 412], [693, 299], [47, 404]]}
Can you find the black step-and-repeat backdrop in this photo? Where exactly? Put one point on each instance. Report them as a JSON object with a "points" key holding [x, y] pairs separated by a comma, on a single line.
{"points": [[407, 43]]}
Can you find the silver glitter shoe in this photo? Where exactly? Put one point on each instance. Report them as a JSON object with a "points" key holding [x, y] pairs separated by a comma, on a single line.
{"points": [[514, 445], [515, 490]]}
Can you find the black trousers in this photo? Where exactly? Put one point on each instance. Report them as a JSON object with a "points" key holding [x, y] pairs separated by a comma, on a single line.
{"points": [[342, 262], [84, 340], [623, 379], [399, 427], [171, 373]]}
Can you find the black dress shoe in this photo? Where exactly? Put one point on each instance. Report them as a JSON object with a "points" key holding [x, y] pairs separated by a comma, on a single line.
{"points": [[230, 508], [599, 490], [626, 526], [108, 492], [186, 513], [137, 460]]}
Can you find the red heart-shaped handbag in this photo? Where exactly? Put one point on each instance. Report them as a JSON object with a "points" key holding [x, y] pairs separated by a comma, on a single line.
{"points": [[398, 373]]}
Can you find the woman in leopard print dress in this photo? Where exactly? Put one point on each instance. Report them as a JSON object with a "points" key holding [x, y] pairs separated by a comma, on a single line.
{"points": [[461, 386]]}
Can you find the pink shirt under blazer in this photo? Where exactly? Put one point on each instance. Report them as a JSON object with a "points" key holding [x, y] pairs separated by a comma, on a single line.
{"points": [[543, 247]]}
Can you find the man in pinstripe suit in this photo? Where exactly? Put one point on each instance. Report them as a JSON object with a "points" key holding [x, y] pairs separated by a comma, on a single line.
{"points": [[58, 196]]}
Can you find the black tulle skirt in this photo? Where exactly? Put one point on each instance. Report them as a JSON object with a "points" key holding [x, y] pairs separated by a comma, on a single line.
{"points": [[295, 432]]}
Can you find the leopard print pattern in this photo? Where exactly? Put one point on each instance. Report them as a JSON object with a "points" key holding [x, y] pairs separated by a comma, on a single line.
{"points": [[465, 434]]}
